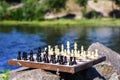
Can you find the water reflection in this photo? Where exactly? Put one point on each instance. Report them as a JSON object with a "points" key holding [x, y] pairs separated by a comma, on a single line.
{"points": [[23, 38]]}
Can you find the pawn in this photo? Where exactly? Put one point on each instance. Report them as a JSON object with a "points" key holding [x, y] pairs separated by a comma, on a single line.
{"points": [[74, 60], [31, 56], [54, 58], [24, 56], [70, 62], [39, 50], [19, 55], [39, 58], [65, 59]]}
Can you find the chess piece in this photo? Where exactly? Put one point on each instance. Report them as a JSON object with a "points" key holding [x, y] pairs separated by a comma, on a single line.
{"points": [[74, 60], [39, 58], [62, 49], [31, 56], [54, 58], [24, 57], [70, 61], [19, 55], [65, 60], [46, 59], [96, 53], [61, 60], [56, 50], [82, 49], [39, 50], [92, 55], [75, 48], [88, 54], [68, 47]]}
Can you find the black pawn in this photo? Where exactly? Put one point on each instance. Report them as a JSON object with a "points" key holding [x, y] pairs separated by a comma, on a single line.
{"points": [[46, 59], [19, 55], [54, 58], [39, 50], [31, 56], [70, 62], [39, 58], [24, 57], [74, 60], [65, 59]]}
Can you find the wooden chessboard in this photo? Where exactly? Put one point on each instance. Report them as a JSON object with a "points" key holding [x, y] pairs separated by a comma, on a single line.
{"points": [[81, 65]]}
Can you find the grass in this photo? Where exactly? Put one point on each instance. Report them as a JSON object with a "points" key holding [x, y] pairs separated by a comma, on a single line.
{"points": [[104, 22]]}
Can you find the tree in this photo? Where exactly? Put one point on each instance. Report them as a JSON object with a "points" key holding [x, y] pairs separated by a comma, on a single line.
{"points": [[55, 5], [83, 3]]}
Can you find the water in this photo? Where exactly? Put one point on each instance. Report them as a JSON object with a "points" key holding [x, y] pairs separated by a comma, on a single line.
{"points": [[14, 39]]}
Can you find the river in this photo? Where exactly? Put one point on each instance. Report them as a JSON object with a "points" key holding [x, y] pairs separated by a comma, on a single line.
{"points": [[23, 38]]}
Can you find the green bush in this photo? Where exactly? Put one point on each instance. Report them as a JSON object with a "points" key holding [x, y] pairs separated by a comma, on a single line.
{"points": [[5, 75]]}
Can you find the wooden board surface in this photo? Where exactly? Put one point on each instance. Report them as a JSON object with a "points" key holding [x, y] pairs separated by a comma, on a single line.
{"points": [[81, 65]]}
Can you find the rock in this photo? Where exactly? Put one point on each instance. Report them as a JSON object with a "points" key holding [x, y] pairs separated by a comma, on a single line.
{"points": [[107, 70], [112, 57], [32, 74]]}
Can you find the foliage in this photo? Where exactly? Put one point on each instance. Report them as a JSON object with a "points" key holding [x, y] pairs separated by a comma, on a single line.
{"points": [[82, 2], [5, 75], [4, 14], [117, 2], [95, 1], [55, 5]]}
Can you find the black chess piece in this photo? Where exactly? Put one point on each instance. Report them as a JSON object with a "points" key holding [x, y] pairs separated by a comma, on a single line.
{"points": [[31, 56], [24, 57], [39, 58], [39, 50], [19, 55], [45, 57], [58, 58], [65, 59], [71, 62], [74, 60], [54, 58]]}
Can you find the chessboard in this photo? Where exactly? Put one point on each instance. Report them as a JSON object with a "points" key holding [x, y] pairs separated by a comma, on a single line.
{"points": [[62, 60]]}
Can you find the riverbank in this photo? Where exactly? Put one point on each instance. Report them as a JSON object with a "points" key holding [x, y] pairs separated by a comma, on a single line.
{"points": [[104, 22]]}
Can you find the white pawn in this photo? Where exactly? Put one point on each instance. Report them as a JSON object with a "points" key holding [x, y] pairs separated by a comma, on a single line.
{"points": [[75, 48], [68, 47], [72, 53], [92, 55], [78, 54], [65, 53], [56, 50], [51, 51], [88, 53], [49, 48], [96, 53], [62, 49], [82, 48]]}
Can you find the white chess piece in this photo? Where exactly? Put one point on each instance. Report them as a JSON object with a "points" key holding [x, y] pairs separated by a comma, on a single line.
{"points": [[75, 48], [82, 48], [96, 53], [62, 49], [92, 55], [88, 54], [51, 51], [72, 53], [49, 48], [68, 47], [56, 50]]}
